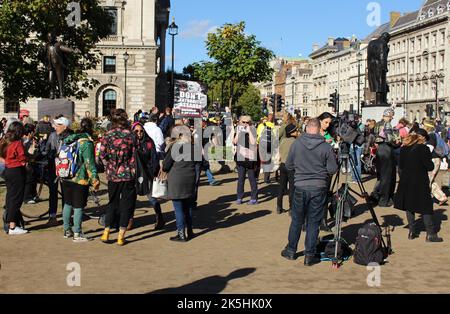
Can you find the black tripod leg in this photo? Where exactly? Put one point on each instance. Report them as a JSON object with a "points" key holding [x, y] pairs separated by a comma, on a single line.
{"points": [[365, 195]]}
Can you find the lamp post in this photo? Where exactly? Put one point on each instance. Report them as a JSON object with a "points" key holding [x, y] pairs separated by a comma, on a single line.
{"points": [[126, 57], [437, 77], [293, 91], [359, 57], [173, 31]]}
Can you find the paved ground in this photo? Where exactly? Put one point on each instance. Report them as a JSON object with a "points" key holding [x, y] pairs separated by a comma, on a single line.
{"points": [[237, 251]]}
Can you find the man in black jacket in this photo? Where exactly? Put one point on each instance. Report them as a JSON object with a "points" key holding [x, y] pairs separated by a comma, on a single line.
{"points": [[314, 162]]}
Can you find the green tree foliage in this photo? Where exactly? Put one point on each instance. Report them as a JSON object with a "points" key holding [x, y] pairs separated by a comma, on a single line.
{"points": [[24, 26], [237, 59], [250, 103]]}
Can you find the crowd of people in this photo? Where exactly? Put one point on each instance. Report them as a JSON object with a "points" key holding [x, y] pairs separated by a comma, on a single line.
{"points": [[156, 147]]}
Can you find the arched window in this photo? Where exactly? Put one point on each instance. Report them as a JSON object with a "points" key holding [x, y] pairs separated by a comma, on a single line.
{"points": [[109, 101]]}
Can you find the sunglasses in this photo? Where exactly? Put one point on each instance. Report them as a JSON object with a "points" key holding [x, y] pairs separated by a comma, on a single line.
{"points": [[245, 122], [139, 131]]}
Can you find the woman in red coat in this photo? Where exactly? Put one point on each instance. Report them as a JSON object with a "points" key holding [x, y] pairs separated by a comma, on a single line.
{"points": [[414, 192], [11, 149]]}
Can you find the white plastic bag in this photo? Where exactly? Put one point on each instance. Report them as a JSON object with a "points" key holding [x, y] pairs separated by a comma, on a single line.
{"points": [[444, 165], [159, 189]]}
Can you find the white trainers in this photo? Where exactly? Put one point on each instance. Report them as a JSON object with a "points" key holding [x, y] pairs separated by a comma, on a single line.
{"points": [[80, 238], [17, 231]]}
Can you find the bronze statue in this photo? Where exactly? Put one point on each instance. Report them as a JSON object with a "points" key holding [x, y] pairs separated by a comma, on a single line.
{"points": [[56, 56], [377, 64]]}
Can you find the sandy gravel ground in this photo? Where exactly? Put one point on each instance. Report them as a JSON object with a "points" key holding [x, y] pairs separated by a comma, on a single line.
{"points": [[237, 251]]}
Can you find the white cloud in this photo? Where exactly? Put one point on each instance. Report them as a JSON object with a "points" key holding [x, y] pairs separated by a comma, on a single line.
{"points": [[198, 29]]}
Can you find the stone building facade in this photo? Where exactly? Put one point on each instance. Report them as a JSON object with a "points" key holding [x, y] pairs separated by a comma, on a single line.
{"points": [[139, 29]]}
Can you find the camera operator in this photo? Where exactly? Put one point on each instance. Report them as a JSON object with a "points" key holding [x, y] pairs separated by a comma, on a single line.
{"points": [[356, 149], [314, 163], [387, 139]]}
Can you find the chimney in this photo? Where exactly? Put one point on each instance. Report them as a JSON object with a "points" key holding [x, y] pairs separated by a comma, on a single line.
{"points": [[395, 16], [315, 47], [330, 41]]}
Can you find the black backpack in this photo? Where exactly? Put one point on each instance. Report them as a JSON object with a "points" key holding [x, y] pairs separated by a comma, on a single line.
{"points": [[369, 248]]}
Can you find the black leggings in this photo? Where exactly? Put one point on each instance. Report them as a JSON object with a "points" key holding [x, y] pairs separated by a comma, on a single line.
{"points": [[15, 188], [122, 202], [427, 221]]}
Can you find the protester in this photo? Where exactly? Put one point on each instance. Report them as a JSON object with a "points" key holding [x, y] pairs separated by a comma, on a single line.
{"points": [[286, 176], [147, 168], [387, 139], [180, 166], [31, 151], [414, 194], [13, 152], [314, 162], [246, 159], [62, 131], [430, 127], [265, 137], [167, 122], [76, 189], [155, 133], [117, 154]]}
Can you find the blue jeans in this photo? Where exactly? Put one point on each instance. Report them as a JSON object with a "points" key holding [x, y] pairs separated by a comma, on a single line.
{"points": [[209, 175], [155, 204], [355, 152], [309, 203], [183, 213]]}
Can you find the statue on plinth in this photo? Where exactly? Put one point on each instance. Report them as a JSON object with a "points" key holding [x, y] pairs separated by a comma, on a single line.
{"points": [[57, 64], [377, 64]]}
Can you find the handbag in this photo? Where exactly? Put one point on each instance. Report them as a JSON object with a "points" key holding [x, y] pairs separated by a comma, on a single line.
{"points": [[159, 188]]}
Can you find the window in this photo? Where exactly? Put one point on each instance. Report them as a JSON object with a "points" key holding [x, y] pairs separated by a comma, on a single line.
{"points": [[113, 13], [412, 45], [433, 63], [425, 44], [109, 65], [441, 62], [11, 104], [109, 101], [442, 40], [419, 43], [434, 40], [412, 66], [426, 65]]}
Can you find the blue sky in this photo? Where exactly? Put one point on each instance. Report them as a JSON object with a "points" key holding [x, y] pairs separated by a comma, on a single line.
{"points": [[288, 27]]}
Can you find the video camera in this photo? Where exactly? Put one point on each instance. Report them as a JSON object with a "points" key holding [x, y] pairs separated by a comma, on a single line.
{"points": [[346, 128]]}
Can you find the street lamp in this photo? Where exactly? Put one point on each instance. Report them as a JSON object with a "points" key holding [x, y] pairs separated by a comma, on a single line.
{"points": [[173, 31], [437, 77], [126, 57], [359, 57], [293, 90]]}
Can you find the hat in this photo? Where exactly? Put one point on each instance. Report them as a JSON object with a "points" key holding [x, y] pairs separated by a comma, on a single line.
{"points": [[290, 128], [429, 125], [389, 112], [62, 121], [423, 133]]}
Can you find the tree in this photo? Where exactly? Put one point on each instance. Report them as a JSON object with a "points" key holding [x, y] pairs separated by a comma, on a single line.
{"points": [[237, 58], [250, 102], [24, 26]]}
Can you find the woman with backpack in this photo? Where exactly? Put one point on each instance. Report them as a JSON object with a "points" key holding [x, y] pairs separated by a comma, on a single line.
{"points": [[147, 168], [117, 154], [436, 145], [13, 152], [76, 189], [413, 193]]}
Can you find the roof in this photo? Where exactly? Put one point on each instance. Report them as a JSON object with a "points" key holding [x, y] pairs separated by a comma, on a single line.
{"points": [[377, 33]]}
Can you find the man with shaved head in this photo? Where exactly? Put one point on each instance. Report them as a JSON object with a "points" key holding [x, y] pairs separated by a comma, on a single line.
{"points": [[314, 162]]}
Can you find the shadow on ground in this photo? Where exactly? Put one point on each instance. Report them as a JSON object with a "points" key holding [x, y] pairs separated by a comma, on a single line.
{"points": [[208, 285]]}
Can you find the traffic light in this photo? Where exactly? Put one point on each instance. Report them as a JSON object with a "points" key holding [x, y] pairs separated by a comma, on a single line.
{"points": [[280, 103], [264, 106], [334, 101]]}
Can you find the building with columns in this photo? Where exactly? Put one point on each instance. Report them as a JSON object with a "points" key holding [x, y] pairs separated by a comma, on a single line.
{"points": [[139, 30]]}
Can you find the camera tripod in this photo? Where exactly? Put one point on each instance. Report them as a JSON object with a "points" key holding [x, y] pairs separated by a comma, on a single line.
{"points": [[346, 160]]}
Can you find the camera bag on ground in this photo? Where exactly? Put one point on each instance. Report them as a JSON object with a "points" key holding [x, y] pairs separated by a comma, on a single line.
{"points": [[368, 247], [326, 249], [348, 205]]}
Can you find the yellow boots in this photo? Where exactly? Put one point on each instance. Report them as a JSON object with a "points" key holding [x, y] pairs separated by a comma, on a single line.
{"points": [[105, 236], [120, 239]]}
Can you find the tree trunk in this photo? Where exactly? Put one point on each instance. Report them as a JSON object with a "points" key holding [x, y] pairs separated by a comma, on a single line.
{"points": [[230, 103]]}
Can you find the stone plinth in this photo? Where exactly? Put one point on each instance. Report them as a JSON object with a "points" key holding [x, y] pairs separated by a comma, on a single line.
{"points": [[54, 107]]}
